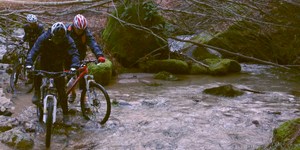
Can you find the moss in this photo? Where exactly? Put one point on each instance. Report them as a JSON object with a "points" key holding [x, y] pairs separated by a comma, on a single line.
{"points": [[169, 65], [198, 69], [165, 76], [222, 66], [225, 90], [128, 43], [270, 43], [287, 136], [102, 72]]}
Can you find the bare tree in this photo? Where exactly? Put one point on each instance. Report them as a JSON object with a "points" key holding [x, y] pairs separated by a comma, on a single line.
{"points": [[184, 16]]}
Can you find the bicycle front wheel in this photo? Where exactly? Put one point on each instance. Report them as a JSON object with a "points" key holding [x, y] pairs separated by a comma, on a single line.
{"points": [[49, 122], [99, 103]]}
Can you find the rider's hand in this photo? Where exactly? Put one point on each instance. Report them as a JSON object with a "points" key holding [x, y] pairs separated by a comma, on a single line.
{"points": [[29, 68], [72, 71], [101, 59]]}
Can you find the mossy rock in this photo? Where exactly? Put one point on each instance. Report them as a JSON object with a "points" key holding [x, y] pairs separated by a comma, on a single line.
{"points": [[128, 43], [102, 72], [287, 136], [169, 65], [271, 43], [198, 69], [225, 90], [200, 53], [165, 76], [222, 66]]}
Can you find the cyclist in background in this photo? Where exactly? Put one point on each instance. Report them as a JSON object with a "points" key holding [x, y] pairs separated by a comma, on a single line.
{"points": [[82, 36], [32, 30], [53, 47]]}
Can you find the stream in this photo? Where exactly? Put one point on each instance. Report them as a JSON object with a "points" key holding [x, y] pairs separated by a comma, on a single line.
{"points": [[177, 115]]}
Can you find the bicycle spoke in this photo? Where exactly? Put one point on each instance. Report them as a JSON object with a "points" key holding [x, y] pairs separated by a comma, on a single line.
{"points": [[99, 109]]}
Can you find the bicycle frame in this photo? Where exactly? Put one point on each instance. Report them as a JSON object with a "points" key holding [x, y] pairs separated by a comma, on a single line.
{"points": [[83, 74]]}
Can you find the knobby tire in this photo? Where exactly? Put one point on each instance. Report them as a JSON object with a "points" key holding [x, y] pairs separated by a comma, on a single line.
{"points": [[49, 122], [100, 98]]}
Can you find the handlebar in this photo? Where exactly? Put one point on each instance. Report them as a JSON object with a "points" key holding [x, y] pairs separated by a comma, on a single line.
{"points": [[84, 62], [50, 74]]}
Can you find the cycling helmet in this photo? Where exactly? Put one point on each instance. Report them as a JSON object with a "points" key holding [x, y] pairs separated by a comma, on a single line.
{"points": [[58, 28], [80, 22], [58, 32], [31, 18]]}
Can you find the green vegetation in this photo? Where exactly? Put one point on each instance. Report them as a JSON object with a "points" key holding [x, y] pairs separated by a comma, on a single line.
{"points": [[129, 43], [102, 72], [165, 76], [287, 136], [169, 65], [225, 90], [276, 40], [222, 66]]}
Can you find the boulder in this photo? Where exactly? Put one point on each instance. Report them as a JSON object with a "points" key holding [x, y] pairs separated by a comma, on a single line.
{"points": [[169, 65], [222, 66], [165, 76], [7, 123], [102, 72], [128, 43], [286, 136], [17, 139], [198, 69], [224, 90]]}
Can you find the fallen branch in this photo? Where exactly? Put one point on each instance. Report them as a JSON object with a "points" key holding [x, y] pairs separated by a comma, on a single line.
{"points": [[50, 3], [196, 61], [231, 53]]}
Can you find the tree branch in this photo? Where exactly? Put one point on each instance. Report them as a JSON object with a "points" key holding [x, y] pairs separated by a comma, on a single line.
{"points": [[231, 53]]}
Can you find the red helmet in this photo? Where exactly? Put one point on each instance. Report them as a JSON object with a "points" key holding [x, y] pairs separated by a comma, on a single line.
{"points": [[80, 22]]}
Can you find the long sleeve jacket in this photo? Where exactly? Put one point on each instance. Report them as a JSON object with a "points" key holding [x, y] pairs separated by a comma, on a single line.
{"points": [[84, 40], [32, 33], [53, 56]]}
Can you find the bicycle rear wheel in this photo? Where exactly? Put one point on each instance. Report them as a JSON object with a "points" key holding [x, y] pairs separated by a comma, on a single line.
{"points": [[49, 121], [19, 79], [100, 106]]}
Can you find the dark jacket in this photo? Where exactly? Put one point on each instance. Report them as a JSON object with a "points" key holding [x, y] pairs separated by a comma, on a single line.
{"points": [[31, 34], [84, 40], [52, 56]]}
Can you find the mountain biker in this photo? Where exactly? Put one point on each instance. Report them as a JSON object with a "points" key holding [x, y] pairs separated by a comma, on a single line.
{"points": [[82, 36], [32, 30], [53, 47]]}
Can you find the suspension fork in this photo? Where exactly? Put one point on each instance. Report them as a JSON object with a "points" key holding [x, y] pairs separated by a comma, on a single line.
{"points": [[48, 90], [88, 79]]}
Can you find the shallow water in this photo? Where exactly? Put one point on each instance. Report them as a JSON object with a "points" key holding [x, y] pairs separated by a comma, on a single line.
{"points": [[177, 115]]}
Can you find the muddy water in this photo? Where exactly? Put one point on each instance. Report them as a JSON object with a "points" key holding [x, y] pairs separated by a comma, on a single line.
{"points": [[177, 115]]}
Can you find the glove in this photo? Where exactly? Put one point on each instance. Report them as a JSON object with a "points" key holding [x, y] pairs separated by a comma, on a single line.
{"points": [[101, 59], [72, 71], [29, 68]]}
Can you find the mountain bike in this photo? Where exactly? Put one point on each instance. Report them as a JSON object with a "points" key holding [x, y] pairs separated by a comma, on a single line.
{"points": [[19, 78], [46, 110], [95, 95]]}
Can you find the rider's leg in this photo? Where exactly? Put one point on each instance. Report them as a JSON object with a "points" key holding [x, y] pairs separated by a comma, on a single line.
{"points": [[72, 95], [60, 84], [82, 86], [37, 92]]}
